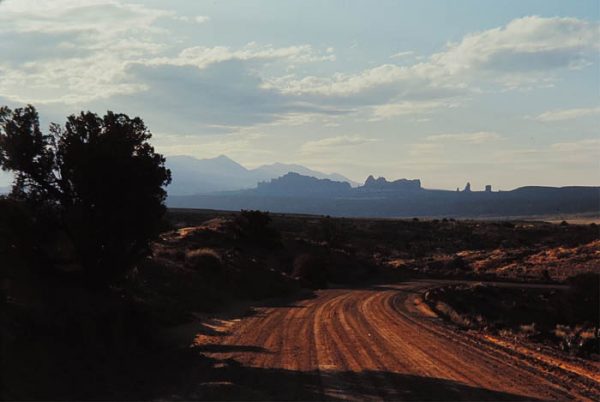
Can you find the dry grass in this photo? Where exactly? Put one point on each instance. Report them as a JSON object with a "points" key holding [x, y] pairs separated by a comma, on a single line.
{"points": [[204, 259]]}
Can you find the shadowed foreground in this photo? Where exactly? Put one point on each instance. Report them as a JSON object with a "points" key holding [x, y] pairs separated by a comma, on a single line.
{"points": [[367, 344], [235, 382]]}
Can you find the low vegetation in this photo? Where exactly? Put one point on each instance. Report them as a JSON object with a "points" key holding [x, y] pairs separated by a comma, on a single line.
{"points": [[565, 318]]}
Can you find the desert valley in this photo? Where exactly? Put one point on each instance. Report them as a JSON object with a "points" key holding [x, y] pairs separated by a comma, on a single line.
{"points": [[283, 200]]}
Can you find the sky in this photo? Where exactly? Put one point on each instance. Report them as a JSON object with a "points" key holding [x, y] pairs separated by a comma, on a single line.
{"points": [[502, 93]]}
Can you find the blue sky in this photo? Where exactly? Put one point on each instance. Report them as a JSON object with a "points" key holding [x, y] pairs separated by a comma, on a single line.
{"points": [[502, 93]]}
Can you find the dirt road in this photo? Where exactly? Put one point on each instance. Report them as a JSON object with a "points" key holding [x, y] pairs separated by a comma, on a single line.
{"points": [[379, 343]]}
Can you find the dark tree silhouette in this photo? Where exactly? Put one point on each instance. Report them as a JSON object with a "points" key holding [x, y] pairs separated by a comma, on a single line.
{"points": [[95, 184], [255, 227]]}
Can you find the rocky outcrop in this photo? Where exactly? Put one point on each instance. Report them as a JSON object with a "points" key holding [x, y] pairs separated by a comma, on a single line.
{"points": [[299, 185], [381, 184]]}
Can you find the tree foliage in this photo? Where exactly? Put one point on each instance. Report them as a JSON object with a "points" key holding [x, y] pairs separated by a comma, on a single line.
{"points": [[96, 183]]}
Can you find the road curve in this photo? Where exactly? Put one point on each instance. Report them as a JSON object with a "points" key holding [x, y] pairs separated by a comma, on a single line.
{"points": [[377, 343]]}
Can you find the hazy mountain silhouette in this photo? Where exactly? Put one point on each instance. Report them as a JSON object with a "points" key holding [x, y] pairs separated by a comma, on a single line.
{"points": [[196, 176], [294, 193], [279, 169], [199, 176]]}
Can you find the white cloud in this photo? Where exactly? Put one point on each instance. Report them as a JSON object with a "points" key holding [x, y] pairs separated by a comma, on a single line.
{"points": [[585, 145], [200, 19], [409, 108], [341, 84], [402, 55], [327, 144], [578, 152], [469, 138], [567, 114], [202, 56], [527, 51], [116, 51], [449, 149], [426, 150], [88, 51], [529, 45], [234, 145], [102, 18], [80, 51]]}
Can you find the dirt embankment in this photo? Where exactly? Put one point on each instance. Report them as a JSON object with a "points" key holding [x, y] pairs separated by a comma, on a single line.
{"points": [[563, 318]]}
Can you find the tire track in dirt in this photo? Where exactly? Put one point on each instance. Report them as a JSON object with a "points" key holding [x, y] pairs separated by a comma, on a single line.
{"points": [[573, 385], [359, 344]]}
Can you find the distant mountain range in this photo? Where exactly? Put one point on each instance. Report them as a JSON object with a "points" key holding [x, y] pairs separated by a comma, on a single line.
{"points": [[295, 193], [200, 176], [221, 183]]}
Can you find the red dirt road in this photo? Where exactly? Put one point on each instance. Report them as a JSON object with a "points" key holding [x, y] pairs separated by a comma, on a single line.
{"points": [[378, 343]]}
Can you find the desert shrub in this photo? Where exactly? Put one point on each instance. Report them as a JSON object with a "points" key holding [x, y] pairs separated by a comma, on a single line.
{"points": [[435, 265], [578, 340], [330, 231], [586, 285], [256, 283], [546, 275], [255, 227], [457, 262], [584, 297], [204, 260], [311, 269], [174, 254], [344, 268], [171, 291], [316, 270]]}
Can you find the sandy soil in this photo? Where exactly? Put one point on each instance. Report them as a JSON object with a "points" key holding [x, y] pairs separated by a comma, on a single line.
{"points": [[378, 343]]}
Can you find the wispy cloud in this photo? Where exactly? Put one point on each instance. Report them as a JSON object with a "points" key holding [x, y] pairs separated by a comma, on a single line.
{"points": [[480, 137], [426, 150], [583, 151], [202, 56], [199, 19], [567, 114], [587, 145], [327, 144], [401, 55], [409, 108]]}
